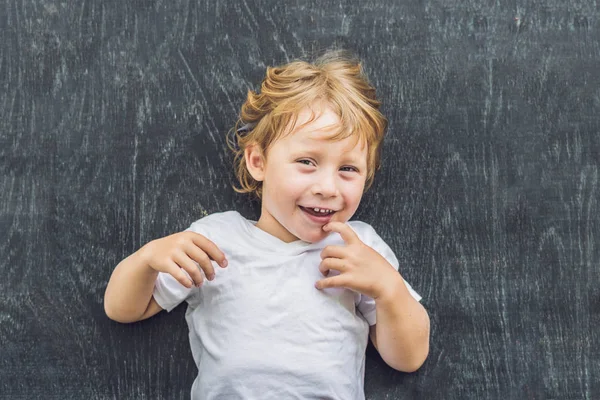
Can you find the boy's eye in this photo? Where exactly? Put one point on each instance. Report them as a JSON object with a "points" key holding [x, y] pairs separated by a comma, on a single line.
{"points": [[346, 168], [305, 162]]}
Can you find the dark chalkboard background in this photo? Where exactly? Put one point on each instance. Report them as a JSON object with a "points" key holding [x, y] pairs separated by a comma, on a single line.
{"points": [[113, 117]]}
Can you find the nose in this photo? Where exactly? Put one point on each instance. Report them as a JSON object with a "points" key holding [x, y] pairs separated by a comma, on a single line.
{"points": [[326, 185]]}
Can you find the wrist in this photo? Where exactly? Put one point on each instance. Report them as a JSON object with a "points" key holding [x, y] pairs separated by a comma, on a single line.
{"points": [[144, 255], [390, 289]]}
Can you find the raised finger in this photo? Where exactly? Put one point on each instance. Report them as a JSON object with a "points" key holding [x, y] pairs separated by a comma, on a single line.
{"points": [[202, 259], [189, 266], [345, 231], [210, 249]]}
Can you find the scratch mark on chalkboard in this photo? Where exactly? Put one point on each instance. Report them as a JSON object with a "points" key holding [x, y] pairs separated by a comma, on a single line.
{"points": [[224, 90], [489, 97], [256, 26], [10, 114], [551, 235], [187, 66], [81, 19], [102, 36], [204, 102], [504, 324], [345, 25], [185, 21], [441, 357], [134, 228], [455, 161], [588, 228], [287, 58], [299, 42], [32, 119], [276, 37], [144, 111]]}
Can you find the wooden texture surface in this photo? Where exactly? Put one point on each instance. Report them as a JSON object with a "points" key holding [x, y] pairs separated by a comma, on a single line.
{"points": [[112, 123]]}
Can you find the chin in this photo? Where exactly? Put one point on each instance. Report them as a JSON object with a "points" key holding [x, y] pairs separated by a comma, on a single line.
{"points": [[314, 237]]}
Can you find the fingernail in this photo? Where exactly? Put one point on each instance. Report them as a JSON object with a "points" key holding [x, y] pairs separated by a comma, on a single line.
{"points": [[224, 263], [211, 277]]}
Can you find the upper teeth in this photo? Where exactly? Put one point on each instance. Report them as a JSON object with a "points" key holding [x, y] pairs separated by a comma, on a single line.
{"points": [[322, 210]]}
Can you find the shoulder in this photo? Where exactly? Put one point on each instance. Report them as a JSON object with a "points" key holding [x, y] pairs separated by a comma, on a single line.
{"points": [[220, 220], [360, 226], [371, 238], [365, 231]]}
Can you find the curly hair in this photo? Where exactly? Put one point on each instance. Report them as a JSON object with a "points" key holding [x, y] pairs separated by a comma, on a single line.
{"points": [[337, 79]]}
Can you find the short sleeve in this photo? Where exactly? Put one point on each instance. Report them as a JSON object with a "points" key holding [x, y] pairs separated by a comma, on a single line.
{"points": [[366, 304], [168, 292]]}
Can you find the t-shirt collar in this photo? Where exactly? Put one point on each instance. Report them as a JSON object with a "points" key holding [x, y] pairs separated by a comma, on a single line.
{"points": [[276, 244]]}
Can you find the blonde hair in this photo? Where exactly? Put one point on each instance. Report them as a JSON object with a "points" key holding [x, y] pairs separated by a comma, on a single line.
{"points": [[335, 78]]}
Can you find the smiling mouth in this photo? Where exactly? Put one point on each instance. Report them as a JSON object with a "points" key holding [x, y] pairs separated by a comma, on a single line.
{"points": [[318, 214]]}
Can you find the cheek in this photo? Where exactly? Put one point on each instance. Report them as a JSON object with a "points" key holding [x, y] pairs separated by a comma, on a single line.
{"points": [[286, 183], [353, 193], [293, 181]]}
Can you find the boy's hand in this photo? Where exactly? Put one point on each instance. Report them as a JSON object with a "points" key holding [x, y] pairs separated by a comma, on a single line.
{"points": [[361, 268], [183, 250]]}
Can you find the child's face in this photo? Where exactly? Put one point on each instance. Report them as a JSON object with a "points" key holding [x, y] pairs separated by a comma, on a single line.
{"points": [[304, 170]]}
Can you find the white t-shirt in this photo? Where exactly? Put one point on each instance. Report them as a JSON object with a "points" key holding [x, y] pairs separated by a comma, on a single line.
{"points": [[261, 330]]}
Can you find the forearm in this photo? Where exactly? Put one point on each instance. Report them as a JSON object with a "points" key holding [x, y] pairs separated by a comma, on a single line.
{"points": [[402, 328], [129, 289]]}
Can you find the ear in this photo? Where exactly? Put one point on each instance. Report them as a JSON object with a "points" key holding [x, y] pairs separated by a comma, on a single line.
{"points": [[255, 162]]}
